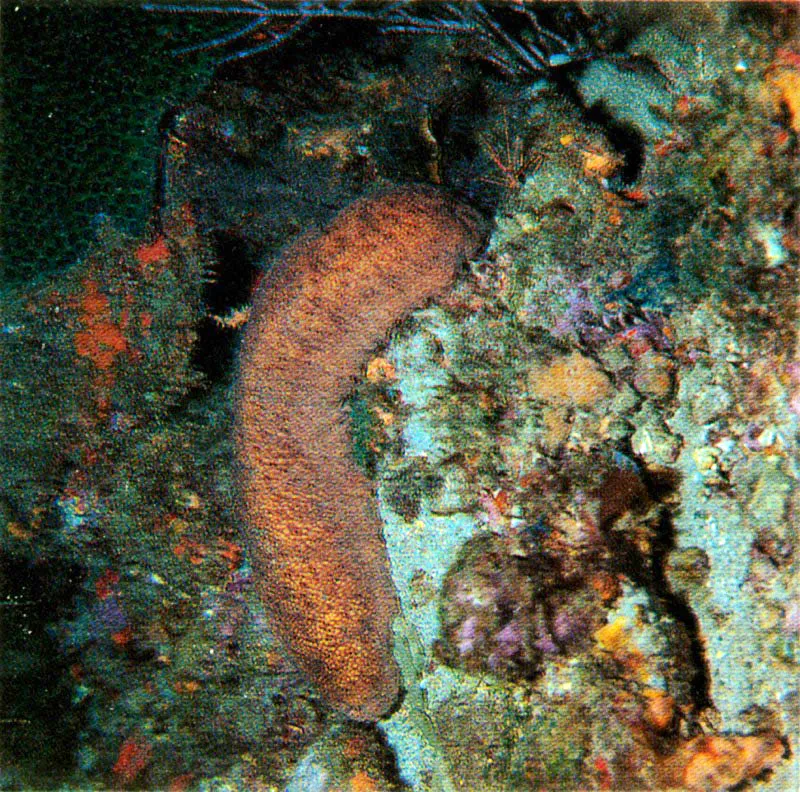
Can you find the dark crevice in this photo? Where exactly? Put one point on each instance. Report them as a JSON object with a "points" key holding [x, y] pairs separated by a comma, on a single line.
{"points": [[623, 138], [648, 572], [227, 290], [677, 607]]}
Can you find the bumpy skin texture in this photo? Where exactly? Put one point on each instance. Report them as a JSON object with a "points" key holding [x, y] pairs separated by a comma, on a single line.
{"points": [[310, 518]]}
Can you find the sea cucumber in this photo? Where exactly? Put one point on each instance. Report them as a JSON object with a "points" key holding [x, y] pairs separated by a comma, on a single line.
{"points": [[309, 515]]}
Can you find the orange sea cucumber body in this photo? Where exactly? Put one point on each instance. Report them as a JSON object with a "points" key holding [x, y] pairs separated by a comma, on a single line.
{"points": [[312, 526]]}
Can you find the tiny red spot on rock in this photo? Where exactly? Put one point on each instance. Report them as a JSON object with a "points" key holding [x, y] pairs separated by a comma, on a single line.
{"points": [[123, 637], [134, 756], [181, 782], [153, 253], [106, 584]]}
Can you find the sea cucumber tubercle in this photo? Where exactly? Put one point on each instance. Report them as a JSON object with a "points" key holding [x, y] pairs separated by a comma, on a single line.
{"points": [[309, 515]]}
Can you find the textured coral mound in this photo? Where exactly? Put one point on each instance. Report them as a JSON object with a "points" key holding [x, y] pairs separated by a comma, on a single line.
{"points": [[313, 529]]}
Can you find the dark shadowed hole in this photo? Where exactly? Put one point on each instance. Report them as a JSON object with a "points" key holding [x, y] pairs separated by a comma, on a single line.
{"points": [[649, 573], [677, 607], [622, 490], [625, 141], [227, 290]]}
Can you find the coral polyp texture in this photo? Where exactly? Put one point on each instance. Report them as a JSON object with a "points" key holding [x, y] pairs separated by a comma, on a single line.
{"points": [[316, 483]]}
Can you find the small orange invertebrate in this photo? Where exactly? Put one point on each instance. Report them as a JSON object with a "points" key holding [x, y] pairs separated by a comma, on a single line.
{"points": [[231, 552], [102, 339], [361, 782], [194, 551], [783, 78], [122, 637], [187, 687], [380, 370], [154, 253], [715, 763], [660, 709]]}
